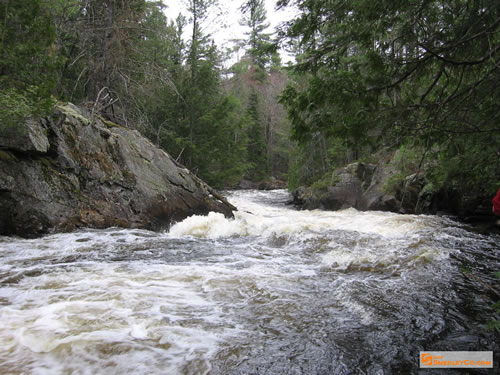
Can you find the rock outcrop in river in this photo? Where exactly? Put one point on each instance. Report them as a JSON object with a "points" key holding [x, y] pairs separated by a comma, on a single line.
{"points": [[74, 170], [358, 185], [382, 187]]}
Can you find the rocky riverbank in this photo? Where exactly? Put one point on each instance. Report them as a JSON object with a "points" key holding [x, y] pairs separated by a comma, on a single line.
{"points": [[382, 187], [73, 170]]}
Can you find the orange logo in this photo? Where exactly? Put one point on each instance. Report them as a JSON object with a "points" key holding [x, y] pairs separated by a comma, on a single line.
{"points": [[426, 359], [456, 359]]}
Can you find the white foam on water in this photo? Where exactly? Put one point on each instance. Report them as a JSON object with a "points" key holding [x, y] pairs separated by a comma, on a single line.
{"points": [[157, 313], [65, 307], [382, 259], [254, 219]]}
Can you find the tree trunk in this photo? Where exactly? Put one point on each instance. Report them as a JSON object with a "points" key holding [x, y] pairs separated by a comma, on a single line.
{"points": [[107, 43]]}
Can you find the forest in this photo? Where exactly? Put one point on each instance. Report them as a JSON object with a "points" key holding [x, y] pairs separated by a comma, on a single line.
{"points": [[368, 77]]}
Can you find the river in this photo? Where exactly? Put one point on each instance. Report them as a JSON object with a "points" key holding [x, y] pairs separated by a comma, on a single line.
{"points": [[274, 291]]}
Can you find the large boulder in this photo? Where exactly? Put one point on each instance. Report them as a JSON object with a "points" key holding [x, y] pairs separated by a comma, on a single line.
{"points": [[70, 170], [387, 186], [31, 136], [272, 184], [358, 185], [376, 195]]}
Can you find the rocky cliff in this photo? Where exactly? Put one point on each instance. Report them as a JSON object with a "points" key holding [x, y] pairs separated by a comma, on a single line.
{"points": [[74, 170]]}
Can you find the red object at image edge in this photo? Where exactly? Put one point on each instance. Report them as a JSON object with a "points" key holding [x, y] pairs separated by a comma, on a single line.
{"points": [[496, 204]]}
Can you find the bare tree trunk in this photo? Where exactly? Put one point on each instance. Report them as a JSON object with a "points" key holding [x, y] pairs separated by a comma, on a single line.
{"points": [[107, 43]]}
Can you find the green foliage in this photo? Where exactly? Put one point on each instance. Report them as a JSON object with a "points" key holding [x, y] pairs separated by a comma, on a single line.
{"points": [[407, 159], [406, 162], [15, 107], [394, 183], [256, 148], [322, 184], [294, 173], [467, 165], [493, 325], [261, 49], [188, 113], [383, 74], [130, 64], [28, 61], [222, 155], [270, 146], [309, 163]]}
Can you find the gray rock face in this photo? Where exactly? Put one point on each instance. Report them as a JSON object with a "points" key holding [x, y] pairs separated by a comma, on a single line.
{"points": [[65, 172], [386, 187], [358, 185], [272, 184], [30, 137]]}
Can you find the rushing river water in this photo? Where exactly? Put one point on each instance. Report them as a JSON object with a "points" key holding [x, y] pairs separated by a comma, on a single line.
{"points": [[274, 291]]}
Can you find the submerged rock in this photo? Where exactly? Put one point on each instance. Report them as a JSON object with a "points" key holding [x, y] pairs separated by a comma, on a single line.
{"points": [[69, 171]]}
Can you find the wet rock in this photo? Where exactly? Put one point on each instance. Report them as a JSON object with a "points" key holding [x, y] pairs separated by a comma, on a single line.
{"points": [[352, 186], [247, 185], [358, 185], [31, 136], [385, 187], [76, 172], [272, 184]]}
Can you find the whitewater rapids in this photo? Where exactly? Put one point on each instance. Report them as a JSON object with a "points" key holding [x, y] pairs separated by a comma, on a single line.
{"points": [[272, 291]]}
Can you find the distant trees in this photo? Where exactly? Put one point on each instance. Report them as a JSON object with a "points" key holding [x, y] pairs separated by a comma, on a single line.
{"points": [[128, 63], [195, 120], [258, 80]]}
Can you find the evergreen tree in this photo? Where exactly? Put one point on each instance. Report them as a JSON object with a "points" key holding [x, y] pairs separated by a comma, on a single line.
{"points": [[197, 122], [386, 73], [160, 58], [260, 47], [125, 61], [222, 154], [257, 156], [100, 42], [28, 60]]}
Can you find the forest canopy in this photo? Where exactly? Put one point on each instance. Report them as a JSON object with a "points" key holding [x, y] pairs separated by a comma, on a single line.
{"points": [[136, 64], [421, 76], [374, 74]]}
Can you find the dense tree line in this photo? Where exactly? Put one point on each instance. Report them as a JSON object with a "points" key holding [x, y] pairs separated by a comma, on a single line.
{"points": [[420, 75], [129, 62]]}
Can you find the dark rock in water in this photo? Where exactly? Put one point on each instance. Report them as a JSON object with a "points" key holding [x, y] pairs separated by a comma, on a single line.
{"points": [[272, 184], [247, 185], [364, 186], [383, 187], [70, 171], [358, 185]]}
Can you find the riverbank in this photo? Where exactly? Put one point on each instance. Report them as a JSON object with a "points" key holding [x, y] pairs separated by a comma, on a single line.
{"points": [[386, 186], [74, 169]]}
